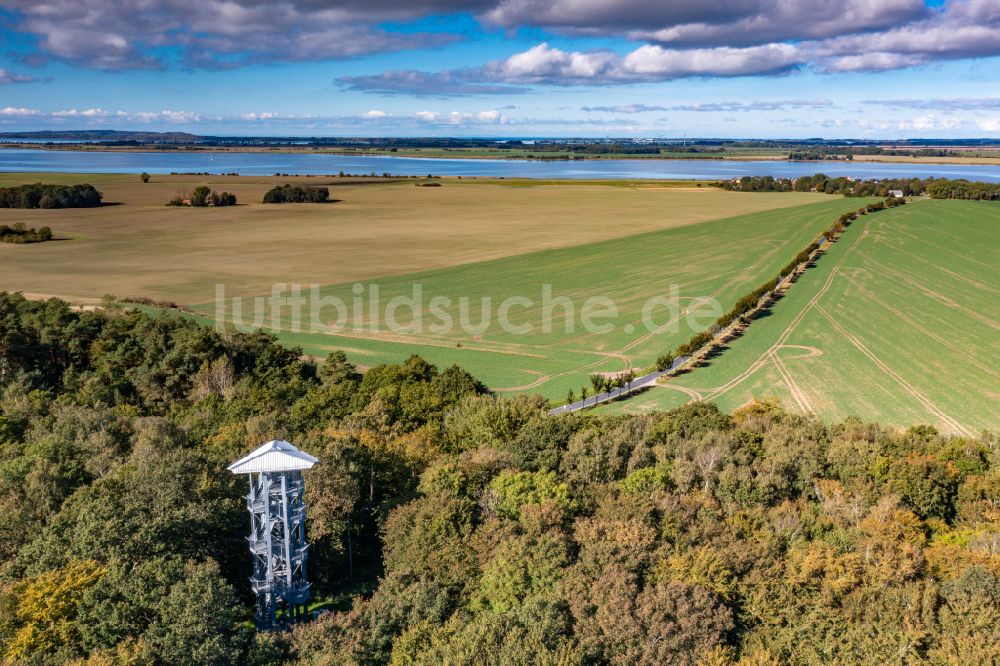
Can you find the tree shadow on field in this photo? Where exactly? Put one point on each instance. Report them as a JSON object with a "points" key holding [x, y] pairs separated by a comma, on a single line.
{"points": [[713, 353]]}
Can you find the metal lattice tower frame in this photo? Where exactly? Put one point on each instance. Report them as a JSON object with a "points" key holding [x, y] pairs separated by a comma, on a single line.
{"points": [[277, 531]]}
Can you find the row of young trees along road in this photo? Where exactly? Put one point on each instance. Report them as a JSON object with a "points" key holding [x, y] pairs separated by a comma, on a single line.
{"points": [[452, 526]]}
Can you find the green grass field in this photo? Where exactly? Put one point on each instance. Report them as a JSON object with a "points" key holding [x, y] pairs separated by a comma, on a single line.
{"points": [[722, 259], [899, 323]]}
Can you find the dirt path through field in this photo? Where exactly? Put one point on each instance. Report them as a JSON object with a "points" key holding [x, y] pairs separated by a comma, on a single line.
{"points": [[690, 392], [711, 394]]}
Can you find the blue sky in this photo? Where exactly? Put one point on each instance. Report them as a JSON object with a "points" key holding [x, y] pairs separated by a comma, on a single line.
{"points": [[733, 68]]}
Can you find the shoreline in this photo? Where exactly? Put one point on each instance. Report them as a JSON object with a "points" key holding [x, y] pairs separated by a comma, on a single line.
{"points": [[294, 162], [474, 154], [433, 154]]}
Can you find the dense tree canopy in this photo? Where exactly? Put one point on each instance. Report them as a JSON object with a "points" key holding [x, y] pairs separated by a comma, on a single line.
{"points": [[297, 194], [40, 195], [451, 526]]}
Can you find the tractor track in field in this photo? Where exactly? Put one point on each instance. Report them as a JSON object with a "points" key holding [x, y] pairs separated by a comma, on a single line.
{"points": [[694, 394], [684, 311], [958, 256], [930, 293], [699, 300], [587, 366], [956, 349], [801, 399], [975, 284], [771, 354], [902, 383]]}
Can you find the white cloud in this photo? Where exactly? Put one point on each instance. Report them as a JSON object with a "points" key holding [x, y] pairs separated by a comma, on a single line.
{"points": [[85, 113], [542, 62], [492, 116], [655, 61], [625, 108], [951, 123], [756, 105], [681, 37], [168, 116], [375, 113], [19, 112], [941, 103], [489, 117], [264, 115], [176, 117], [650, 62], [989, 124], [920, 123], [706, 22]]}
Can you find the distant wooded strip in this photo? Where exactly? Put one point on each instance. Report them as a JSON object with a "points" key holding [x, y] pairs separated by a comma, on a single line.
{"points": [[37, 195], [935, 188]]}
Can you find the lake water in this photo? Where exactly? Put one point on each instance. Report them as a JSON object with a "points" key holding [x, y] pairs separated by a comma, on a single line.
{"points": [[266, 164]]}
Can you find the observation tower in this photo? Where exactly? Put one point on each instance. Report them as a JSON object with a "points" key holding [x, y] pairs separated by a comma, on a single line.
{"points": [[277, 531]]}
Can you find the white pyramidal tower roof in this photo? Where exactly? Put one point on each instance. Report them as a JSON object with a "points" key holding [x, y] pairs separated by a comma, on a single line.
{"points": [[275, 456]]}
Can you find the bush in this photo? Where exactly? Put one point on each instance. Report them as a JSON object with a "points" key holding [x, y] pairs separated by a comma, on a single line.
{"points": [[20, 234], [204, 196]]}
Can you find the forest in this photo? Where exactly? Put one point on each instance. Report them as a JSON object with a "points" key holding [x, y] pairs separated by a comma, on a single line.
{"points": [[452, 526]]}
